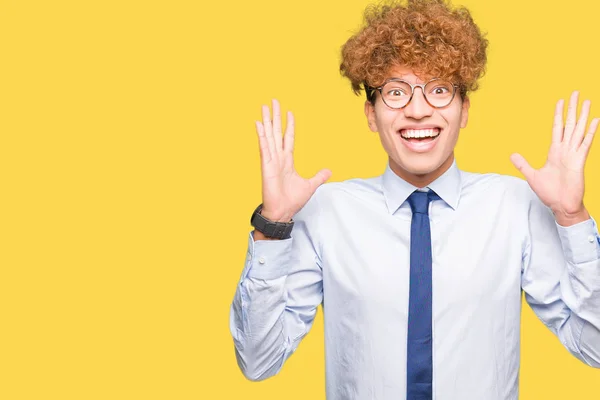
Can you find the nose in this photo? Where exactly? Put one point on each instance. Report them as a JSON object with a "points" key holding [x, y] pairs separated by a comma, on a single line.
{"points": [[418, 108]]}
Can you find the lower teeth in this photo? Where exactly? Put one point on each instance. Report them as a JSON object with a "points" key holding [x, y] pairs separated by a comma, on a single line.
{"points": [[422, 138]]}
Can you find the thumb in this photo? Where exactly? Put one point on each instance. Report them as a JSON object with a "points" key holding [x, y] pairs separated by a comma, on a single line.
{"points": [[522, 165], [319, 178]]}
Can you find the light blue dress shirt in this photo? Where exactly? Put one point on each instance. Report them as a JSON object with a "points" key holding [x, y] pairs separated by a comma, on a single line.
{"points": [[492, 239]]}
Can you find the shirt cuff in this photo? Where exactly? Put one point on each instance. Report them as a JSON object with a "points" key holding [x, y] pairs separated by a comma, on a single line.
{"points": [[580, 242], [267, 259]]}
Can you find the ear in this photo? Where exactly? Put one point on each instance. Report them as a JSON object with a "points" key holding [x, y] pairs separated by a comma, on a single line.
{"points": [[370, 114], [464, 115]]}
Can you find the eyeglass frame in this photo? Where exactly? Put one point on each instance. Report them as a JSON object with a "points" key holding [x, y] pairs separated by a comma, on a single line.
{"points": [[370, 91]]}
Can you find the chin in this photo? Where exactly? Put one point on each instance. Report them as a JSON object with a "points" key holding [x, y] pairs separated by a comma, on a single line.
{"points": [[421, 167], [418, 170]]}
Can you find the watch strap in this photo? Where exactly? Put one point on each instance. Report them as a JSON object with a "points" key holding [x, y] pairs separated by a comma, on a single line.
{"points": [[271, 229]]}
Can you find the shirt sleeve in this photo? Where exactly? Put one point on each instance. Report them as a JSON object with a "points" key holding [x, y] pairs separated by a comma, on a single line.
{"points": [[277, 296], [561, 279]]}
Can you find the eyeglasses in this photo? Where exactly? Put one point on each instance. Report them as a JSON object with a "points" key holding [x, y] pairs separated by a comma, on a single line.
{"points": [[397, 93]]}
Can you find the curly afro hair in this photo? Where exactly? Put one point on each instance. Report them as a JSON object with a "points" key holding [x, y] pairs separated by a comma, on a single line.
{"points": [[428, 36]]}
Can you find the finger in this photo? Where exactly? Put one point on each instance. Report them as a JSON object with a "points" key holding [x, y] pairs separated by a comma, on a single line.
{"points": [[522, 165], [319, 178], [277, 126], [288, 139], [557, 128], [589, 137], [581, 125], [268, 128], [571, 117], [263, 145]]}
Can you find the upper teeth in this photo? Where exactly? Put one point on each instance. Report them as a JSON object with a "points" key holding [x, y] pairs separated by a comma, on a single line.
{"points": [[419, 133]]}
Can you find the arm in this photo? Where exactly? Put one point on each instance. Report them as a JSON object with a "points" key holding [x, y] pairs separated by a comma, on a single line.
{"points": [[561, 280], [281, 285], [561, 270], [277, 297]]}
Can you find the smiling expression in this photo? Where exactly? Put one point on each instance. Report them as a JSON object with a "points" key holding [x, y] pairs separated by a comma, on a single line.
{"points": [[419, 139]]}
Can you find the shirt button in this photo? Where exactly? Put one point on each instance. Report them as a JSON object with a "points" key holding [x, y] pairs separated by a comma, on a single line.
{"points": [[261, 260], [249, 257], [591, 239]]}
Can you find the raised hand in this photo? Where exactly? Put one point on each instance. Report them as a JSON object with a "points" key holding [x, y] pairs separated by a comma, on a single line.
{"points": [[284, 192], [560, 182]]}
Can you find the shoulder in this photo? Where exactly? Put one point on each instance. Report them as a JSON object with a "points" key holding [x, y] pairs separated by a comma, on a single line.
{"points": [[506, 192], [350, 187], [338, 195], [496, 184]]}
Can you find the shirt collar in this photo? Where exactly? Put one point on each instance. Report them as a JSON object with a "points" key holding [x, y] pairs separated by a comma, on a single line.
{"points": [[396, 190]]}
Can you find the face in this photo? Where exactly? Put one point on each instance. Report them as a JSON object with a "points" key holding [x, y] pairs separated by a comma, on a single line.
{"points": [[418, 161]]}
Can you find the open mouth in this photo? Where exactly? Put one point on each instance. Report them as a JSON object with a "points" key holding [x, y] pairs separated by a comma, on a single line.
{"points": [[420, 135]]}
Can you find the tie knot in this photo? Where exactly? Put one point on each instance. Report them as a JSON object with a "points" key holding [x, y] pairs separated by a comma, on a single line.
{"points": [[419, 201]]}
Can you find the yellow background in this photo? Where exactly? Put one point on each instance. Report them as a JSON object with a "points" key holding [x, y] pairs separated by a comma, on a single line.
{"points": [[129, 168]]}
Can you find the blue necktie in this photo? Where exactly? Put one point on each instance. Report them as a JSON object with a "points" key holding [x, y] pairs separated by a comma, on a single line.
{"points": [[419, 367]]}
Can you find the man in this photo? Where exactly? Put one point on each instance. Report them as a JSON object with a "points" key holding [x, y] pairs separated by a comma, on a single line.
{"points": [[419, 270]]}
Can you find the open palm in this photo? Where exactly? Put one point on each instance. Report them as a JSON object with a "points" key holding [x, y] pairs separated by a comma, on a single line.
{"points": [[560, 182], [284, 191]]}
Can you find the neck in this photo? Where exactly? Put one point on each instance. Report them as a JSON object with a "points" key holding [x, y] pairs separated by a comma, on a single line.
{"points": [[422, 180]]}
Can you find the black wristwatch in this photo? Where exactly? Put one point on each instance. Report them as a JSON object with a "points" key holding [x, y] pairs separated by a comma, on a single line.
{"points": [[271, 229]]}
